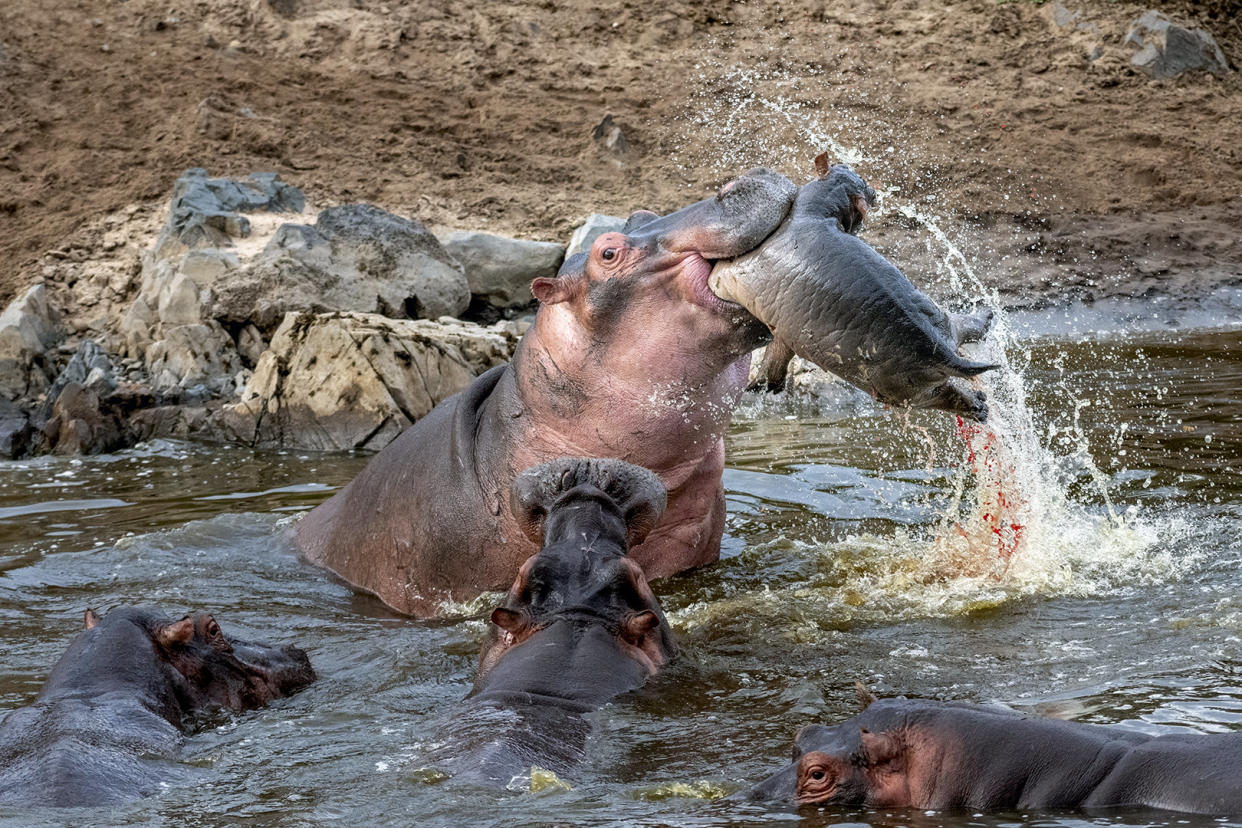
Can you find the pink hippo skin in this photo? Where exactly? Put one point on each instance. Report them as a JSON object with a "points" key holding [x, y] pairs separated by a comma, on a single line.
{"points": [[631, 356]]}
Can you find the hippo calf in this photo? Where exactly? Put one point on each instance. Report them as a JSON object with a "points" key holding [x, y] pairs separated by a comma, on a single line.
{"points": [[831, 298], [113, 712], [933, 755], [579, 627]]}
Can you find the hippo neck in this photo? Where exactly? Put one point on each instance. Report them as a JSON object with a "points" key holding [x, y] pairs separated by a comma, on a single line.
{"points": [[574, 664], [1061, 762], [117, 665], [596, 402]]}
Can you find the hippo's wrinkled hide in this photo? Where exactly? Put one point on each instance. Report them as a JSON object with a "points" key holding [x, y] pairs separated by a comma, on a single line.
{"points": [[843, 306], [937, 755]]}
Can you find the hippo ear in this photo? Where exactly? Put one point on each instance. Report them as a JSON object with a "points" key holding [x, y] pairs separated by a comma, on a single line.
{"points": [[90, 619], [177, 634], [865, 697], [511, 621], [637, 219], [636, 627], [879, 748], [821, 164], [549, 291]]}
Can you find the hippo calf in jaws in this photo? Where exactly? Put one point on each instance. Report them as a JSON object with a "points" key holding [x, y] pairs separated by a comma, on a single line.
{"points": [[934, 755], [579, 627], [108, 723], [630, 356], [831, 298]]}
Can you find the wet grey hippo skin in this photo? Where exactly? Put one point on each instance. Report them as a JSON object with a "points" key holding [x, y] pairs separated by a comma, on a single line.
{"points": [[110, 720], [579, 627], [630, 356], [834, 300], [924, 754]]}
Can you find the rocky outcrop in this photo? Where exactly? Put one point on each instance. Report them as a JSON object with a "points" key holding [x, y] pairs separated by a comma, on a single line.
{"points": [[596, 225], [209, 212], [341, 381], [354, 258], [499, 270], [28, 330], [1167, 49], [345, 368]]}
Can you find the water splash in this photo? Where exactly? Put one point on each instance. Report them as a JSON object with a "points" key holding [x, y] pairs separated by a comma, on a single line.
{"points": [[1011, 525]]}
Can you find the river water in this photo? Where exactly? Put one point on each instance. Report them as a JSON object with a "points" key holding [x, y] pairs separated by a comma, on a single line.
{"points": [[859, 546]]}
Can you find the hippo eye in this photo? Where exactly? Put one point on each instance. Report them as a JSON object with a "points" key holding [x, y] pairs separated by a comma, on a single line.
{"points": [[608, 254], [818, 775]]}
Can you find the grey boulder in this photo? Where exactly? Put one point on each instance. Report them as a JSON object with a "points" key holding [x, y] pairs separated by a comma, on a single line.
{"points": [[208, 212], [1167, 49], [596, 225], [29, 327], [354, 258], [500, 269]]}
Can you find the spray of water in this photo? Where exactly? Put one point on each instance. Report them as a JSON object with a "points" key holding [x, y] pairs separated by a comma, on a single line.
{"points": [[1010, 523]]}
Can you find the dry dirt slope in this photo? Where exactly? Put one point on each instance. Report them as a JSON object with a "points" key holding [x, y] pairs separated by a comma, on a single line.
{"points": [[480, 113]]}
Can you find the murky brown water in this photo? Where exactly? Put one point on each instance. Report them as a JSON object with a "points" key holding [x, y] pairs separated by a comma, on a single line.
{"points": [[1125, 609]]}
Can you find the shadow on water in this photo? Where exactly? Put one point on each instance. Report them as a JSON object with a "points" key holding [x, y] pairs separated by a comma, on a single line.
{"points": [[834, 511]]}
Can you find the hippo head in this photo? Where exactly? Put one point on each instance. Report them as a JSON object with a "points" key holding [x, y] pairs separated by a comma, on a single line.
{"points": [[643, 292], [839, 192], [208, 668], [847, 763], [581, 590]]}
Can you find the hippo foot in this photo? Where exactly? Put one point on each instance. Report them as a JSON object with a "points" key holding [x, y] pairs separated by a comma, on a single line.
{"points": [[767, 385], [971, 327], [965, 402]]}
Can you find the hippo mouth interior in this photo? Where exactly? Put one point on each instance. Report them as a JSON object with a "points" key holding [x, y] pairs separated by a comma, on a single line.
{"points": [[698, 272]]}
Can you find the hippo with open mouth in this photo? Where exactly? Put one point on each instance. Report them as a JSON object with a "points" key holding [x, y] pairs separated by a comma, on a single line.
{"points": [[831, 298], [579, 627], [912, 753], [630, 356], [113, 713]]}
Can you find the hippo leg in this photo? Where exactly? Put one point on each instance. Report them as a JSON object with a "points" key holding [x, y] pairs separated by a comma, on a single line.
{"points": [[971, 327], [774, 369], [949, 397]]}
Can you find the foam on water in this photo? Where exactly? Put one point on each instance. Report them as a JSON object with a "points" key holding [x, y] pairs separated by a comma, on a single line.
{"points": [[1011, 526]]}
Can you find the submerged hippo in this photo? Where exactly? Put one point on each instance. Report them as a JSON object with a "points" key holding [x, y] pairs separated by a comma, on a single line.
{"points": [[579, 627], [908, 753], [831, 298], [630, 356], [113, 712]]}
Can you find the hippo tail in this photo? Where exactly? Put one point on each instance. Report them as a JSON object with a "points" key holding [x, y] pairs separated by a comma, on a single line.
{"points": [[959, 366]]}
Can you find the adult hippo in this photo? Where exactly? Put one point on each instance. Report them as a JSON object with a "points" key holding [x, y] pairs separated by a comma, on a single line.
{"points": [[910, 753], [630, 356], [579, 627], [111, 717]]}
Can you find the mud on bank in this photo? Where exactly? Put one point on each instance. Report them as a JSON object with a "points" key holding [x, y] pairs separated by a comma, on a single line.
{"points": [[481, 114]]}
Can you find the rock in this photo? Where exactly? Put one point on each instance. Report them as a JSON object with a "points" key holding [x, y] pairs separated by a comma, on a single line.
{"points": [[28, 329], [596, 225], [89, 367], [250, 344], [15, 431], [609, 135], [356, 258], [206, 212], [342, 381], [193, 355], [500, 269], [79, 425], [1167, 49]]}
